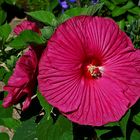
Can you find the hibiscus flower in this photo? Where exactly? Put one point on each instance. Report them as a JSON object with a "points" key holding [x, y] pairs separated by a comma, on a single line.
{"points": [[90, 71], [22, 82], [26, 25]]}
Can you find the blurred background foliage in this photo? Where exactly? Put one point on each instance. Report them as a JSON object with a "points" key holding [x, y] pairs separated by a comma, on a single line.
{"points": [[41, 121]]}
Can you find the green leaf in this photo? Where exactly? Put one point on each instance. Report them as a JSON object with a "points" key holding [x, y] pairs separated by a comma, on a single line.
{"points": [[135, 10], [18, 43], [121, 24], [101, 132], [4, 136], [12, 61], [5, 113], [11, 2], [130, 19], [2, 73], [1, 1], [10, 123], [61, 130], [136, 118], [3, 16], [63, 18], [128, 6], [112, 124], [118, 11], [7, 76], [44, 128], [135, 135], [47, 32], [77, 11], [47, 107], [109, 5], [5, 30], [53, 4], [136, 111], [116, 2], [123, 123], [25, 38], [74, 11], [45, 17], [26, 131], [91, 10]]}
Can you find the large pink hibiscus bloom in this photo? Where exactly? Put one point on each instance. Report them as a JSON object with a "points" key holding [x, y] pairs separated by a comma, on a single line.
{"points": [[90, 71], [24, 78]]}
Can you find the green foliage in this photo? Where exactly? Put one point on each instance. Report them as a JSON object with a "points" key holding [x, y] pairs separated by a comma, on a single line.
{"points": [[6, 120], [45, 130], [25, 38], [47, 31], [135, 135], [5, 30], [136, 119], [52, 5], [121, 10], [4, 136], [7, 76], [118, 11], [136, 113], [2, 73], [11, 62], [123, 124], [62, 129], [135, 11], [26, 131], [77, 11], [3, 16], [122, 24], [90, 10], [117, 2], [45, 105], [10, 123], [133, 31], [5, 113], [101, 132], [11, 2], [108, 131], [34, 5], [45, 17]]}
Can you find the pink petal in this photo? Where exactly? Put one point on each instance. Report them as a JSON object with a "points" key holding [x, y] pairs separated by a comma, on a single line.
{"points": [[26, 25], [103, 102]]}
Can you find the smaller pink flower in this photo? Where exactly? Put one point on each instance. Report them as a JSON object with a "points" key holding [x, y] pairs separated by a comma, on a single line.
{"points": [[20, 83], [24, 78], [26, 25]]}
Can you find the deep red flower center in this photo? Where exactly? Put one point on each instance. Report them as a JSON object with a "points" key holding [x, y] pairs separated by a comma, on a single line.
{"points": [[93, 69]]}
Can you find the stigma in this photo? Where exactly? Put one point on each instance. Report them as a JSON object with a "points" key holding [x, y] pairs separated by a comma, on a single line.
{"points": [[94, 71]]}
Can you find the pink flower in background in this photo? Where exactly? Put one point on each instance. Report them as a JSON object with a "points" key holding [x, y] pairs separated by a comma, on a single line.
{"points": [[24, 78], [90, 71], [22, 81], [26, 25]]}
